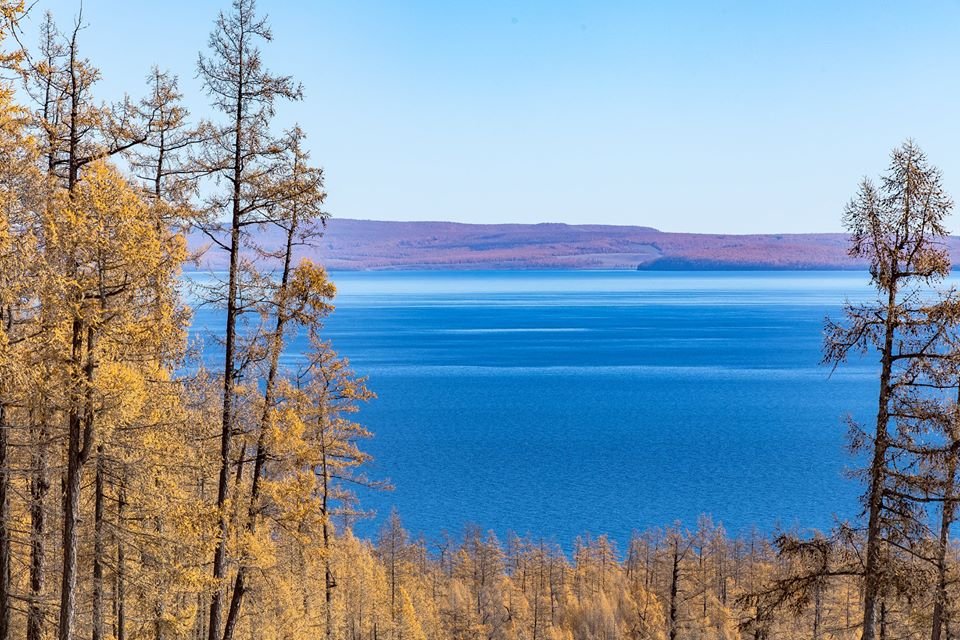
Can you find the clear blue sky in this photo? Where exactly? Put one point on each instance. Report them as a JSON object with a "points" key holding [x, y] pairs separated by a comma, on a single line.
{"points": [[687, 116]]}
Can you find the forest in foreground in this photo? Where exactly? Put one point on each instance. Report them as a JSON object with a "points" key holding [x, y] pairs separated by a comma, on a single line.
{"points": [[145, 495]]}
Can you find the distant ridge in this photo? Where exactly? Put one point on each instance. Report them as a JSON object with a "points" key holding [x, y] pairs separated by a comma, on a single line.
{"points": [[380, 245]]}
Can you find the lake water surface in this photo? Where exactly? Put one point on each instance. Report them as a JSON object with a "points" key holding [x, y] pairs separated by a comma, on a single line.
{"points": [[560, 403]]}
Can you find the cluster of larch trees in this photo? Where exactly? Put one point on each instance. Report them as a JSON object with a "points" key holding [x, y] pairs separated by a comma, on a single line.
{"points": [[671, 584], [137, 500], [144, 495], [892, 573]]}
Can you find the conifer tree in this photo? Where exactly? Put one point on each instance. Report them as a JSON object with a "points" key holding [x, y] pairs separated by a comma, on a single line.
{"points": [[300, 299], [897, 227], [243, 155], [20, 190]]}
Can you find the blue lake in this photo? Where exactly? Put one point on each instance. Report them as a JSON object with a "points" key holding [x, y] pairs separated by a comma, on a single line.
{"points": [[561, 403]]}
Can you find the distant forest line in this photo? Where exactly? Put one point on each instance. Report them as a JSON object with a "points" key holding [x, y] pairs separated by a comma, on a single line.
{"points": [[384, 245]]}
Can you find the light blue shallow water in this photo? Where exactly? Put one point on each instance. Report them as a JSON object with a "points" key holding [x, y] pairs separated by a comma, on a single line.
{"points": [[559, 403]]}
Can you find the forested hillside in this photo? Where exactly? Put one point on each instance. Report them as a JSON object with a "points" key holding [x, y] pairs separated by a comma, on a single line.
{"points": [[375, 245], [145, 495]]}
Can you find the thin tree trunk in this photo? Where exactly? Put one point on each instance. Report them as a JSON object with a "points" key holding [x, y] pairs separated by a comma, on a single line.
{"points": [[4, 527], [40, 479], [883, 620], [71, 507], [98, 549], [229, 373], [946, 521], [220, 554], [121, 593], [878, 472], [239, 588], [553, 611], [674, 588], [260, 457], [5, 524], [39, 486], [77, 452], [158, 605], [78, 447], [329, 583], [537, 594], [817, 609]]}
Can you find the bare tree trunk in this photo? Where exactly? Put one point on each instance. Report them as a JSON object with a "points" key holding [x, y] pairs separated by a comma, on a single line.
{"points": [[201, 630], [817, 609], [878, 472], [329, 582], [40, 479], [674, 588], [121, 589], [220, 554], [260, 457], [946, 521], [239, 588], [553, 596], [4, 527], [98, 549], [229, 373], [158, 605], [883, 620], [71, 508], [5, 524], [39, 486], [78, 449], [536, 596]]}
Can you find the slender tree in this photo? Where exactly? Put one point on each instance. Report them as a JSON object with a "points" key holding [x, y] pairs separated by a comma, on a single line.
{"points": [[20, 190], [898, 228], [301, 299], [245, 157]]}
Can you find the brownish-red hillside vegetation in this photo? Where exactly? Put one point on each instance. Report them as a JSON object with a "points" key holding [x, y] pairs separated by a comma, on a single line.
{"points": [[368, 244]]}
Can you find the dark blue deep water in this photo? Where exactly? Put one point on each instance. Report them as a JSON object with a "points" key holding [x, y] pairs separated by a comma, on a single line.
{"points": [[560, 403]]}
